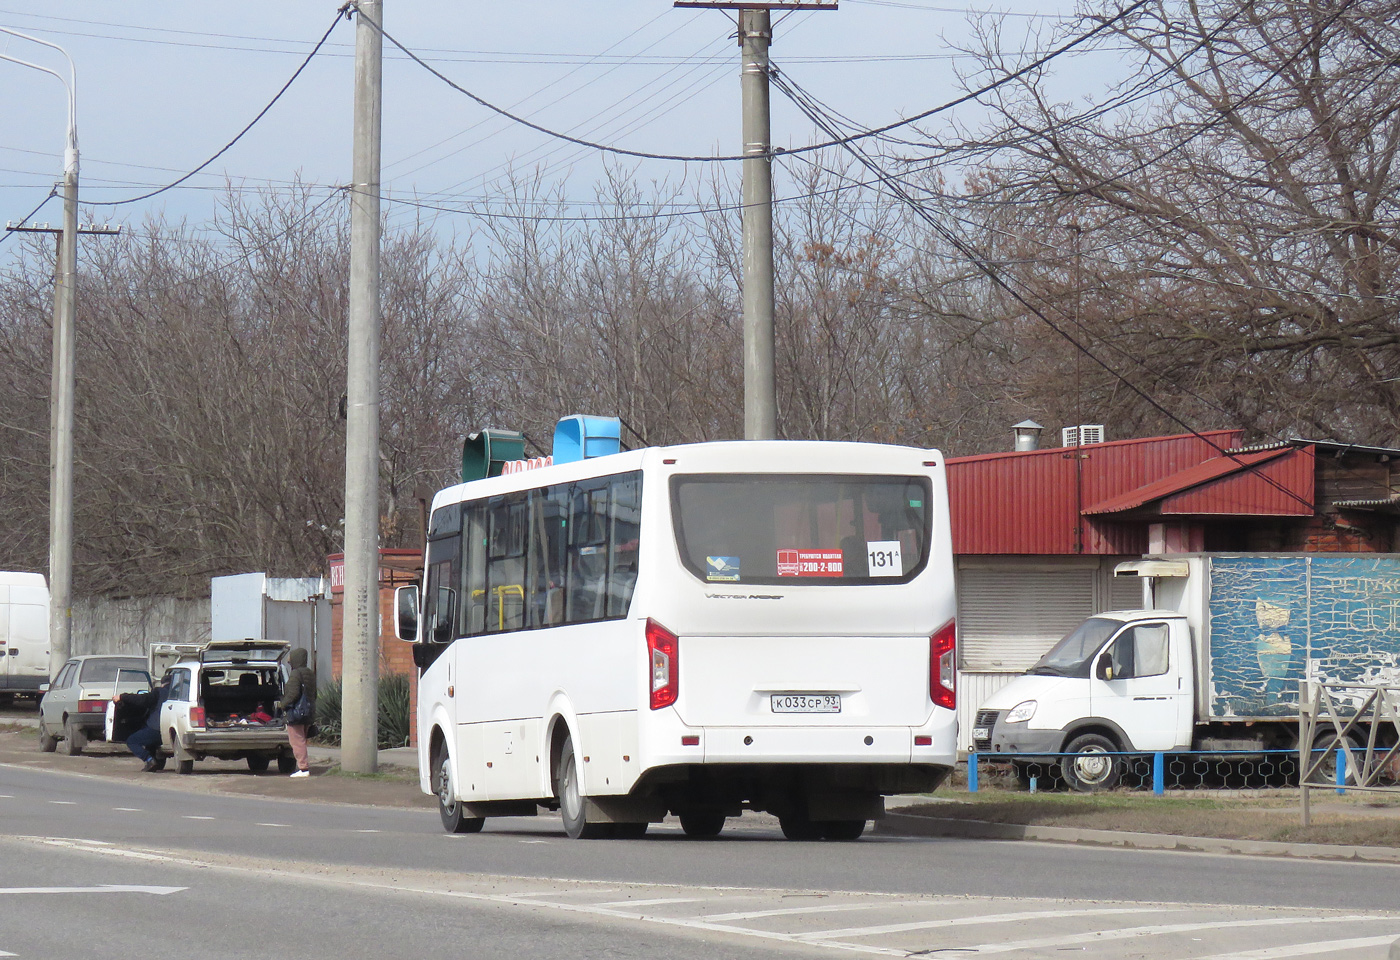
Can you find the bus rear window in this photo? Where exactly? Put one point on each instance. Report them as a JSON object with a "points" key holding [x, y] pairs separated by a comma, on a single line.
{"points": [[794, 529]]}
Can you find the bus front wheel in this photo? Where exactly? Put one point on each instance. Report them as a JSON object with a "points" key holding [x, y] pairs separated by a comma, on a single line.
{"points": [[450, 809], [571, 806]]}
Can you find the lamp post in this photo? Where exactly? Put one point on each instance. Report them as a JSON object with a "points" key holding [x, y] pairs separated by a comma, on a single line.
{"points": [[61, 394]]}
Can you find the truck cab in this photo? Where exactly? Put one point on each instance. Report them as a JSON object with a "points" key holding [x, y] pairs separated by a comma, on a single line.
{"points": [[1121, 681]]}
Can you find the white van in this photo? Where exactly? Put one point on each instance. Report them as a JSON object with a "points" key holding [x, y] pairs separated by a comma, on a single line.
{"points": [[24, 634]]}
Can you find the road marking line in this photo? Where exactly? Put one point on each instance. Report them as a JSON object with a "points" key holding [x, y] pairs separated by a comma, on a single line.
{"points": [[7, 796], [366, 831], [1304, 949], [272, 824], [198, 818], [795, 911], [105, 888], [65, 803], [1130, 933], [128, 809], [974, 921], [103, 846], [651, 903]]}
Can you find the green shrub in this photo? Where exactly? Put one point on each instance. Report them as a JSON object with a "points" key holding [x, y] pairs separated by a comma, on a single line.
{"points": [[395, 717]]}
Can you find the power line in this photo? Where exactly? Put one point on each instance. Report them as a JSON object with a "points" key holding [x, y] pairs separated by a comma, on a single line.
{"points": [[839, 140], [51, 194], [261, 113]]}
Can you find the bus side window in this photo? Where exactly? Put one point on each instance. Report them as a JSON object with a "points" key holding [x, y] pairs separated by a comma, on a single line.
{"points": [[624, 516], [549, 510], [587, 555], [505, 568], [474, 569]]}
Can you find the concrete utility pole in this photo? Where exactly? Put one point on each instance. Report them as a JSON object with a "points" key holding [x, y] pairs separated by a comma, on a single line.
{"points": [[61, 398], [755, 37], [760, 391], [360, 613]]}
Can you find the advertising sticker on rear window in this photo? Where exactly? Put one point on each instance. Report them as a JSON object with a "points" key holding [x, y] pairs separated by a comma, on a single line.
{"points": [[809, 563], [722, 569]]}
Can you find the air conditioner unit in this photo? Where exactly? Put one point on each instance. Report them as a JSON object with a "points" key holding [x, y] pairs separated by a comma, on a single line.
{"points": [[1082, 434]]}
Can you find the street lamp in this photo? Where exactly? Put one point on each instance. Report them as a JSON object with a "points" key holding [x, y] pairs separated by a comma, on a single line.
{"points": [[61, 394]]}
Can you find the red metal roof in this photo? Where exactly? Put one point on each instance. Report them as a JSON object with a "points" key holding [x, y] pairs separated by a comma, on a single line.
{"points": [[1267, 483], [1030, 502]]}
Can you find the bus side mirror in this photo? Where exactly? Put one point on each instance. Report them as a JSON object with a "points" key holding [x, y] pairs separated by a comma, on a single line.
{"points": [[1104, 669], [406, 613]]}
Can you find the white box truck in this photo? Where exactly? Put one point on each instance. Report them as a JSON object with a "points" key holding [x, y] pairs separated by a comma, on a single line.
{"points": [[1213, 664], [24, 634]]}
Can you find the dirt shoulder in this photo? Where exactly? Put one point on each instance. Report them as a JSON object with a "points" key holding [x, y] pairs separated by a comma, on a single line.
{"points": [[1355, 819], [394, 787]]}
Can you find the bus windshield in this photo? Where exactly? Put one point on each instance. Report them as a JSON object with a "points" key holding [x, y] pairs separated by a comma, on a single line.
{"points": [[790, 529]]}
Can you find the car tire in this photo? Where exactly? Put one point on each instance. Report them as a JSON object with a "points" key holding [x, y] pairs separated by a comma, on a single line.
{"points": [[572, 809], [286, 763], [1090, 763], [702, 826], [451, 810], [259, 764], [48, 743], [184, 766], [842, 829], [74, 739]]}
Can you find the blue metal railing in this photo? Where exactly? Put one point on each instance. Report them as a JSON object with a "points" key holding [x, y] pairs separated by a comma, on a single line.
{"points": [[1219, 769]]}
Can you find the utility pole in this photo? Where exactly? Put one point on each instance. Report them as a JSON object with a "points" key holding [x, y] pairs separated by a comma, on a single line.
{"points": [[360, 613], [61, 396], [755, 37]]}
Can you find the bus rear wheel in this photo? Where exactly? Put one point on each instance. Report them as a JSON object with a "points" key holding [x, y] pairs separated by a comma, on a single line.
{"points": [[843, 829], [702, 826], [571, 805], [801, 828]]}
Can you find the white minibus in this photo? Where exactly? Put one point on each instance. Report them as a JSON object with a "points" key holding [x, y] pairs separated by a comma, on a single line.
{"points": [[694, 630]]}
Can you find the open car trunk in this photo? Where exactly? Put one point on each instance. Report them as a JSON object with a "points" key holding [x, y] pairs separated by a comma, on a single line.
{"points": [[240, 694]]}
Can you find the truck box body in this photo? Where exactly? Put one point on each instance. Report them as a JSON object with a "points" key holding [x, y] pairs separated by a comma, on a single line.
{"points": [[1260, 624]]}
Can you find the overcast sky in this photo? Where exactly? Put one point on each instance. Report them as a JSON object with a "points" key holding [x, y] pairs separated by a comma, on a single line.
{"points": [[163, 84]]}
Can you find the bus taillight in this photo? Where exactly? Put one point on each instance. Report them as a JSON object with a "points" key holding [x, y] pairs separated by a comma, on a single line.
{"points": [[943, 666], [664, 656]]}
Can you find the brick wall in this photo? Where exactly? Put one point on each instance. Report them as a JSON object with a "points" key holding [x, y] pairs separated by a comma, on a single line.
{"points": [[397, 568]]}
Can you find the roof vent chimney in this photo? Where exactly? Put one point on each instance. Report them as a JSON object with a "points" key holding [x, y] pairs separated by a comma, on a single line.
{"points": [[1083, 434], [1027, 434]]}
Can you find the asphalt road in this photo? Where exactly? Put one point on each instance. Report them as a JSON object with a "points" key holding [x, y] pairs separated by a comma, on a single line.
{"points": [[260, 877]]}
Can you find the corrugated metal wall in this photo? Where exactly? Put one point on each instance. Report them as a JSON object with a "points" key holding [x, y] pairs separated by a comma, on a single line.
{"points": [[1027, 502]]}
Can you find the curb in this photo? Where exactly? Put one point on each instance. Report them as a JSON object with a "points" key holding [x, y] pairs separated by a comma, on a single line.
{"points": [[907, 825]]}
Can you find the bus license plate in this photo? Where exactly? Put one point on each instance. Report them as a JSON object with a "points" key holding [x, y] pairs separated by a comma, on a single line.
{"points": [[806, 703]]}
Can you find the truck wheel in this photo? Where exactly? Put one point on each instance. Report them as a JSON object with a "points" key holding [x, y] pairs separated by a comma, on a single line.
{"points": [[571, 805], [1091, 764], [48, 743], [842, 829], [259, 764], [74, 739], [702, 826], [454, 819], [1326, 743]]}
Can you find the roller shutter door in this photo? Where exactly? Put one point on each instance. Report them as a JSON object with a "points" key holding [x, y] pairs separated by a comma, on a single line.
{"points": [[1009, 615]]}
